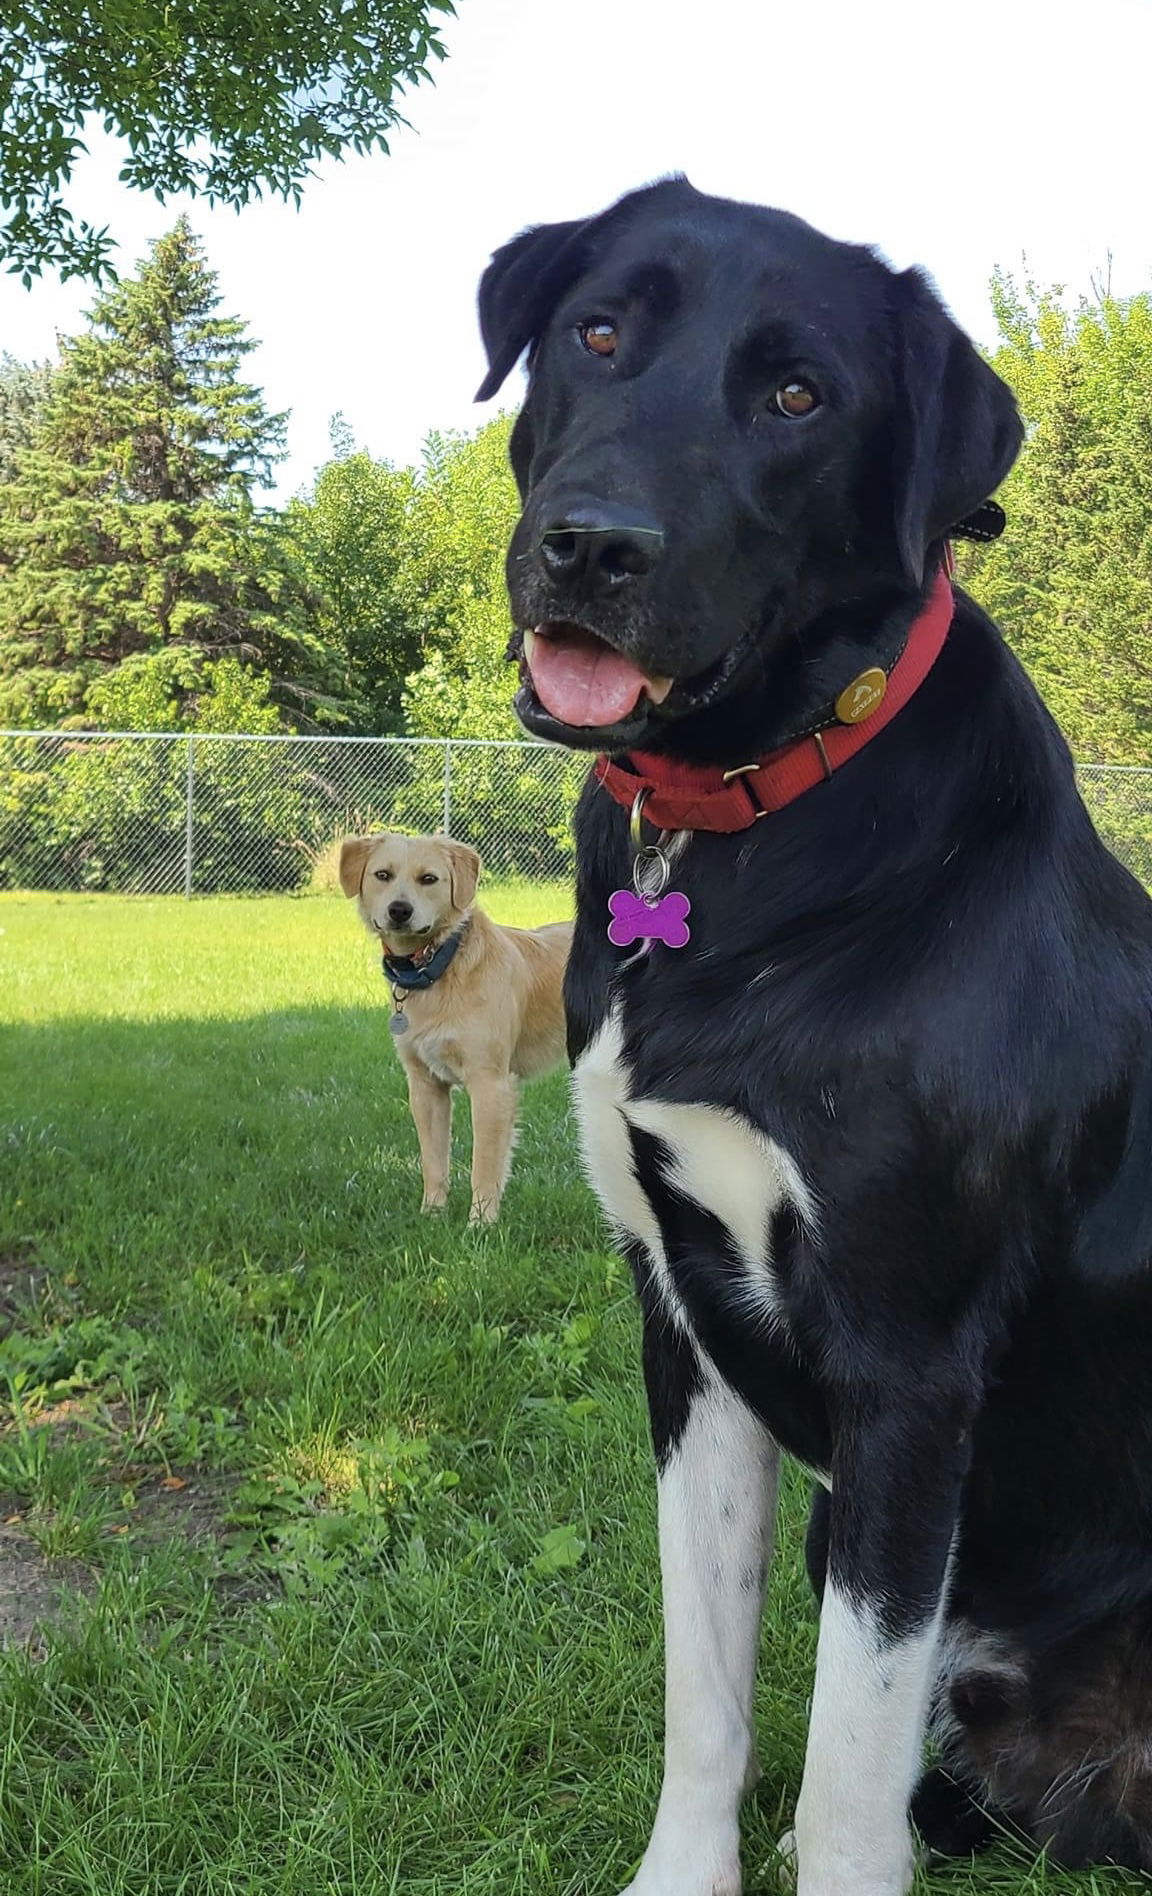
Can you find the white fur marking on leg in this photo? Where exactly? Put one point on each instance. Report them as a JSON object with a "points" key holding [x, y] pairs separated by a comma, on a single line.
{"points": [[717, 1508], [864, 1745]]}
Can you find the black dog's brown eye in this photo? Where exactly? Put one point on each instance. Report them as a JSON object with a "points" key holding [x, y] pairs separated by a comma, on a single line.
{"points": [[795, 399], [598, 338], [382, 875]]}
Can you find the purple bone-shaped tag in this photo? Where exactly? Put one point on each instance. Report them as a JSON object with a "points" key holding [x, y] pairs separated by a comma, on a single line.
{"points": [[643, 918]]}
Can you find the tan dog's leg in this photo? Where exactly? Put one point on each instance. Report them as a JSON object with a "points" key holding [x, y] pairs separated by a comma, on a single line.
{"points": [[494, 1100], [431, 1103]]}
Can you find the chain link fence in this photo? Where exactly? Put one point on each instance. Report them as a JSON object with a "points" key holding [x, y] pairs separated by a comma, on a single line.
{"points": [[1119, 799], [180, 814]]}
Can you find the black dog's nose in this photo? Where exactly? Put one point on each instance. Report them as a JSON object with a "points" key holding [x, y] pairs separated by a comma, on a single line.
{"points": [[399, 913], [598, 549]]}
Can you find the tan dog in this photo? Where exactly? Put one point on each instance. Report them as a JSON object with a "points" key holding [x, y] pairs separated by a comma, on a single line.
{"points": [[492, 1015]]}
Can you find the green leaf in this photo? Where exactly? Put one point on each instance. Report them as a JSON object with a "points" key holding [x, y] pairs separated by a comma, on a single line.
{"points": [[560, 1548], [222, 101]]}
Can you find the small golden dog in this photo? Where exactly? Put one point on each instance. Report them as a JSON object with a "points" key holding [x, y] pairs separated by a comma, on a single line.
{"points": [[475, 1005]]}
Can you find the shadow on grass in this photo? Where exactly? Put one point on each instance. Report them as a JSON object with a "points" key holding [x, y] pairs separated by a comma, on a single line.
{"points": [[284, 1132], [220, 1220]]}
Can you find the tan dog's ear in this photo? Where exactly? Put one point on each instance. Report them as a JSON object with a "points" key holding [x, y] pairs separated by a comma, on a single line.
{"points": [[353, 855], [465, 866]]}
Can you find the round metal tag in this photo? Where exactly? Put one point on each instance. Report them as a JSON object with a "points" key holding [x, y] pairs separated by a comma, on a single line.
{"points": [[858, 700], [398, 1024]]}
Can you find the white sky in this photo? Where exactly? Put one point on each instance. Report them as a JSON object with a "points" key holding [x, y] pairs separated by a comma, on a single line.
{"points": [[957, 136]]}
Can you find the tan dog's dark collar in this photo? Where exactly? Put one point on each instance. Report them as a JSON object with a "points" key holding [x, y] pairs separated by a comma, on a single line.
{"points": [[425, 969]]}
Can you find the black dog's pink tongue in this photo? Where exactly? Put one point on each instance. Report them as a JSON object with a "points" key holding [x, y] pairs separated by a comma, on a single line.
{"points": [[579, 679]]}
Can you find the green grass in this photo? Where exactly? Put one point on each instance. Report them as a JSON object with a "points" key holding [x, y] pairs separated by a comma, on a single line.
{"points": [[363, 1500]]}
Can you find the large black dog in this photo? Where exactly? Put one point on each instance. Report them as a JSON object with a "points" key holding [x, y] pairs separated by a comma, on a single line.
{"points": [[876, 1139]]}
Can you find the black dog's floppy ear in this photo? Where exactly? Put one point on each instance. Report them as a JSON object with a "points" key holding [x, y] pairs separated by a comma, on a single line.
{"points": [[519, 290], [959, 431]]}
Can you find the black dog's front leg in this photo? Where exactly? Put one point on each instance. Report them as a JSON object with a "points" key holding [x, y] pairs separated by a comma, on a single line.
{"points": [[951, 1816], [586, 989], [897, 1473]]}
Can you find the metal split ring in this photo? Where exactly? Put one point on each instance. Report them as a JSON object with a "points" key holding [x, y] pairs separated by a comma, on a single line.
{"points": [[651, 869], [650, 872], [634, 830]]}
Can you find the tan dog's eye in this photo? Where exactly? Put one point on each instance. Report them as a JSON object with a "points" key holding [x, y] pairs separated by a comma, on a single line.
{"points": [[382, 875], [427, 879], [600, 338]]}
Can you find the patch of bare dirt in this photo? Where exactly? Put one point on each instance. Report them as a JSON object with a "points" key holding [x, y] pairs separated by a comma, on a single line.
{"points": [[36, 1592], [191, 1505], [33, 1591]]}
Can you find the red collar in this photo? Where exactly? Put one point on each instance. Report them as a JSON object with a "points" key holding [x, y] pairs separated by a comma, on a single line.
{"points": [[705, 797]]}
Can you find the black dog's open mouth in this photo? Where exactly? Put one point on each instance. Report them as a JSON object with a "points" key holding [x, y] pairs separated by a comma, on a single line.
{"points": [[576, 686], [582, 680]]}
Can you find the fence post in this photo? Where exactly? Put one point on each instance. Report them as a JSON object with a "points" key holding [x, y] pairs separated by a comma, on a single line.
{"points": [[188, 820], [446, 818]]}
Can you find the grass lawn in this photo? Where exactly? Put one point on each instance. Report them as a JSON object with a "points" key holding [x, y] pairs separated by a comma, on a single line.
{"points": [[353, 1510]]}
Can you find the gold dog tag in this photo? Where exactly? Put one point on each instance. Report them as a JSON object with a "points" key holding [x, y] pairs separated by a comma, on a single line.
{"points": [[858, 700]]}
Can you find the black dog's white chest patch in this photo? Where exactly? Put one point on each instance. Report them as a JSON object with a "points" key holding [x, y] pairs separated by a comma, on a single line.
{"points": [[715, 1158]]}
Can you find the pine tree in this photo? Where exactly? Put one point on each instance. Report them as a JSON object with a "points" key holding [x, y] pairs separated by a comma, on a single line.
{"points": [[24, 390], [130, 543]]}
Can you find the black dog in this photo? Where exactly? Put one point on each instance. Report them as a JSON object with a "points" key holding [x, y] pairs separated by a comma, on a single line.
{"points": [[876, 1140]]}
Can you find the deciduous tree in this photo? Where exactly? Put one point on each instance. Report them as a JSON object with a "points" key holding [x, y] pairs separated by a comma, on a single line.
{"points": [[460, 520], [1071, 580], [351, 535], [226, 100]]}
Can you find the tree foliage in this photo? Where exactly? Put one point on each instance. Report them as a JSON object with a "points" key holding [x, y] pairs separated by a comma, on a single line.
{"points": [[24, 390], [1071, 580], [409, 566], [461, 517], [128, 534], [226, 100], [140, 584], [463, 509], [350, 535]]}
